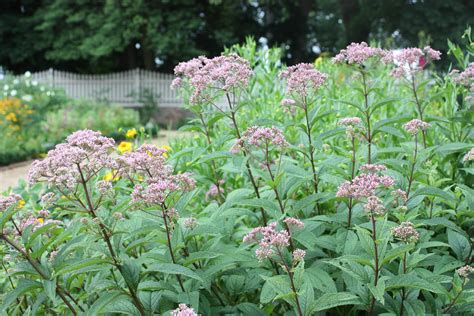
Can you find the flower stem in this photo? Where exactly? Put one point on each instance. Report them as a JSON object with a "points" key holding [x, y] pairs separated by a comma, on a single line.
{"points": [[418, 106], [213, 164], [311, 153], [412, 171], [349, 215], [376, 252], [403, 289], [455, 298], [292, 282], [105, 234], [367, 118], [247, 165], [37, 266], [170, 248]]}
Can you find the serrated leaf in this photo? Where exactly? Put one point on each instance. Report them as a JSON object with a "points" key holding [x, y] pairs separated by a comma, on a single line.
{"points": [[170, 268]]}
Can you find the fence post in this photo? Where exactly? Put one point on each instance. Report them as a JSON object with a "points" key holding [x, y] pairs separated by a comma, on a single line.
{"points": [[137, 82], [51, 76]]}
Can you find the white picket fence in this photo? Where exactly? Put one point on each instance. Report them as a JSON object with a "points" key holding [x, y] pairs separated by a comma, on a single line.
{"points": [[115, 87]]}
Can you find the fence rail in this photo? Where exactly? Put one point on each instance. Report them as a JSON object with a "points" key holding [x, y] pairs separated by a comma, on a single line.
{"points": [[118, 87]]}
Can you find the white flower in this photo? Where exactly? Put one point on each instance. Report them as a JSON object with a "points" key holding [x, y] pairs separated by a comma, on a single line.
{"points": [[27, 98], [34, 83], [16, 81], [27, 74], [6, 87], [13, 93]]}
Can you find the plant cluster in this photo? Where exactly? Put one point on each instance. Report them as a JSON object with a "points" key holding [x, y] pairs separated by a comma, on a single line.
{"points": [[340, 190], [34, 117]]}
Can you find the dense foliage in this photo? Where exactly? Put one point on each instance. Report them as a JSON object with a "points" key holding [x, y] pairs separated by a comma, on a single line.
{"points": [[34, 117], [104, 36], [336, 188]]}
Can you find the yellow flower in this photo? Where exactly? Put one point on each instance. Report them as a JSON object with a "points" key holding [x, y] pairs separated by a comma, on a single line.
{"points": [[21, 204], [140, 178], [124, 147], [41, 220], [319, 61], [11, 117], [131, 133], [109, 176], [167, 148]]}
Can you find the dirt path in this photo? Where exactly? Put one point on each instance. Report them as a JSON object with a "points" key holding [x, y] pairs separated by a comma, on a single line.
{"points": [[10, 175]]}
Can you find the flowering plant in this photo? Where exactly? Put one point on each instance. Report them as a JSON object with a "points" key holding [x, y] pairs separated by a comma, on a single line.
{"points": [[338, 208]]}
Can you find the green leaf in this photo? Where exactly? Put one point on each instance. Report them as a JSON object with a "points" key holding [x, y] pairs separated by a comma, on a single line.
{"points": [[171, 268], [411, 281], [23, 286], [82, 264], [130, 271], [396, 252], [6, 215], [459, 244], [330, 300], [453, 147], [379, 290], [431, 191]]}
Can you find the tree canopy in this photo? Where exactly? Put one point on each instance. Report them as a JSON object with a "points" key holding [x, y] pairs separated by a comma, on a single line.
{"points": [[97, 36]]}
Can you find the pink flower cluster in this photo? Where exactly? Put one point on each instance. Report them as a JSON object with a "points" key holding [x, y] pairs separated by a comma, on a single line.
{"points": [[358, 53], [406, 232], [156, 190], [372, 168], [9, 201], [206, 76], [85, 152], [464, 271], [260, 137], [29, 219], [48, 199], [466, 77], [302, 80], [411, 60], [214, 190], [268, 239], [374, 206], [365, 184], [467, 157], [183, 310], [293, 223], [350, 121], [298, 255], [400, 194], [416, 125], [147, 161]]}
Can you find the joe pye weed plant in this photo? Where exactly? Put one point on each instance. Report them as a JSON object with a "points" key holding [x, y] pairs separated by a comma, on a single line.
{"points": [[305, 190]]}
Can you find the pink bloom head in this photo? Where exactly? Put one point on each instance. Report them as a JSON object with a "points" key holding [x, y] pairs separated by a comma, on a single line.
{"points": [[294, 223], [190, 222], [206, 77], [298, 255], [303, 79], [465, 271], [358, 53], [400, 194], [469, 156], [364, 185], [408, 61], [415, 126], [268, 239], [83, 155], [406, 232], [214, 190], [183, 310], [289, 105], [264, 136], [350, 121], [374, 206], [373, 168], [6, 202], [48, 199]]}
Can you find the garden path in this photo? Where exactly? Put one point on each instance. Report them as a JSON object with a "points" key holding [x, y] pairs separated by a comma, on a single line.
{"points": [[10, 175]]}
